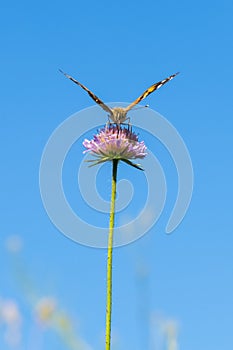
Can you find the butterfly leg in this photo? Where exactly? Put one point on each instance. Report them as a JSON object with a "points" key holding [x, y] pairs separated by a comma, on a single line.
{"points": [[128, 124], [108, 123]]}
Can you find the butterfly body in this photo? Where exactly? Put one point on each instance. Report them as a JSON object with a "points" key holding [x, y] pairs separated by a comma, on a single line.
{"points": [[118, 115]]}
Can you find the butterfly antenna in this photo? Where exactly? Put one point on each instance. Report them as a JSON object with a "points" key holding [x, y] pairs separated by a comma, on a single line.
{"points": [[140, 107], [61, 71]]}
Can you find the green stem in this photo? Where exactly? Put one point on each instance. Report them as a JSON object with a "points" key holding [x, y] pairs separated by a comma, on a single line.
{"points": [[109, 261]]}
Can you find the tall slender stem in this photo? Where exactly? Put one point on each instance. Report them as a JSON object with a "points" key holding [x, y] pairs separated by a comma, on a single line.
{"points": [[109, 261]]}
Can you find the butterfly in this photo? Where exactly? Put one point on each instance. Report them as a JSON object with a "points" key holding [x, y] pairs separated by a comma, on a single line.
{"points": [[118, 115]]}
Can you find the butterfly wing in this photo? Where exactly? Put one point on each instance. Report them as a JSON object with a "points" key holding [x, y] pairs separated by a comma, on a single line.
{"points": [[90, 93], [152, 88]]}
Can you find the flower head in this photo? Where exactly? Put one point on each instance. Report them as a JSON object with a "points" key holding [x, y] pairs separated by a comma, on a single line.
{"points": [[115, 142]]}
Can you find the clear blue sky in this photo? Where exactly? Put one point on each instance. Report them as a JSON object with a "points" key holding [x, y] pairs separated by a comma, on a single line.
{"points": [[117, 49]]}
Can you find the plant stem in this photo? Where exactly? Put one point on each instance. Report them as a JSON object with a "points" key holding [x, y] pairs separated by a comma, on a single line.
{"points": [[109, 261]]}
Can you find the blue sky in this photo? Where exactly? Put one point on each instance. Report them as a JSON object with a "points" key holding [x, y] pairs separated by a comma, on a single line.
{"points": [[118, 49]]}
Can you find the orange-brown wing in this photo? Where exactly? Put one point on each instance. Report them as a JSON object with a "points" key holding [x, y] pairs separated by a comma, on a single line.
{"points": [[90, 93], [152, 88]]}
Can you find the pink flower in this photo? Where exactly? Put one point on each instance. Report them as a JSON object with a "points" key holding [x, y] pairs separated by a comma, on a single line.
{"points": [[115, 142]]}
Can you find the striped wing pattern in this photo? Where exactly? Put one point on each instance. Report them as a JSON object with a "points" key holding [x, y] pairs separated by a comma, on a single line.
{"points": [[90, 93], [151, 89]]}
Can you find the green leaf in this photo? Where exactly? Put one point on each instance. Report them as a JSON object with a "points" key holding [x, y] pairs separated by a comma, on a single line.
{"points": [[138, 166]]}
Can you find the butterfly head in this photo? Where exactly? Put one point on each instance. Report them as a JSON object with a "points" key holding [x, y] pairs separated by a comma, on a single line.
{"points": [[118, 115]]}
